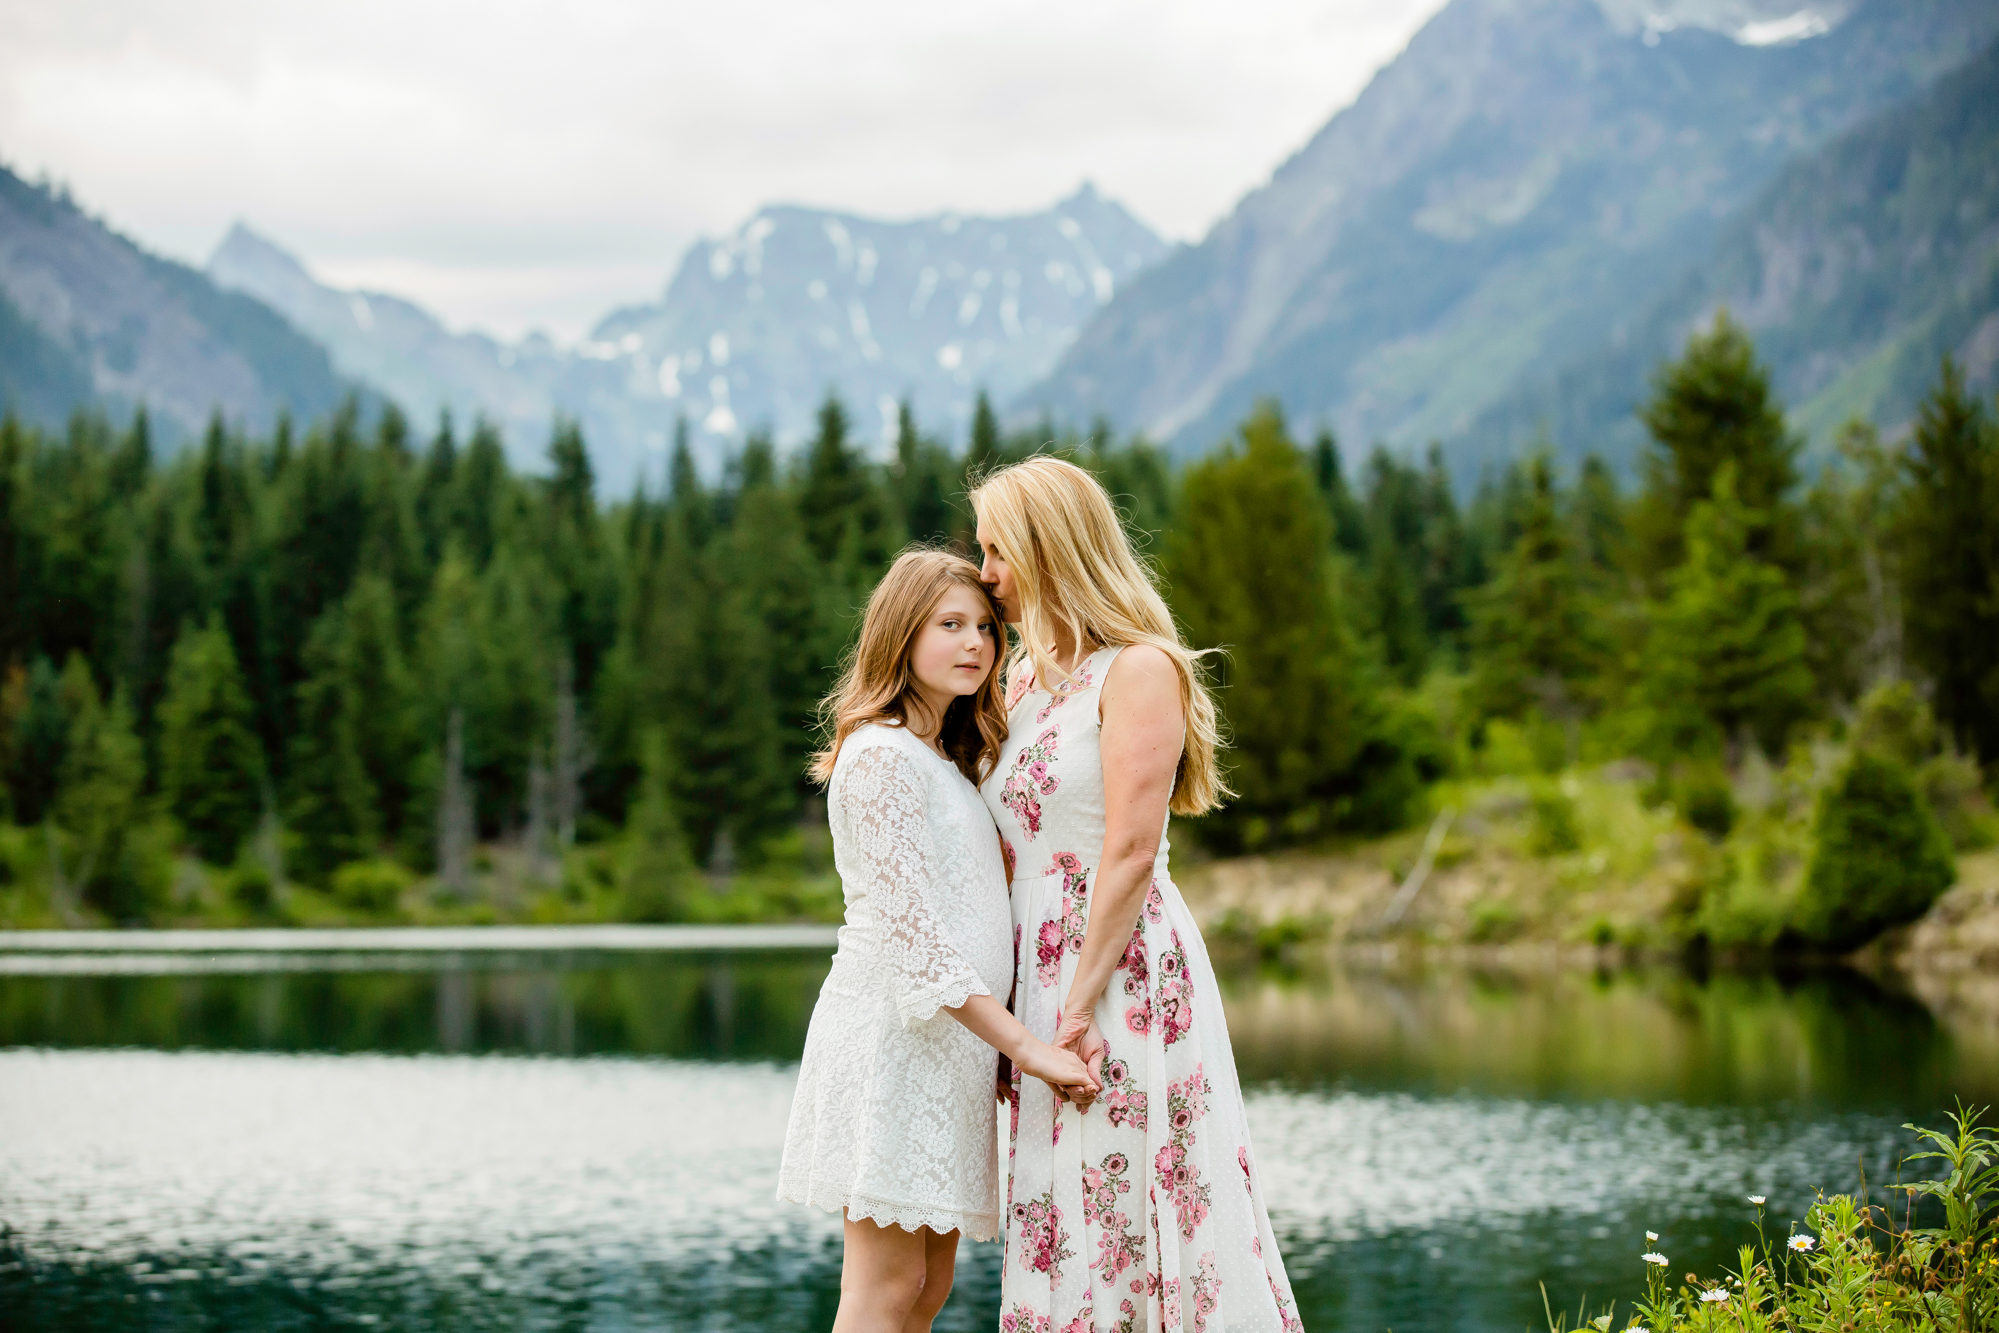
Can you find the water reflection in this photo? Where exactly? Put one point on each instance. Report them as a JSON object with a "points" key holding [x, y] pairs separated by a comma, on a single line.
{"points": [[308, 1149], [713, 1006], [1831, 1037]]}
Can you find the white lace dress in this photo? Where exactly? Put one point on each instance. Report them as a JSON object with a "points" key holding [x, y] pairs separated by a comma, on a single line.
{"points": [[1145, 1213], [894, 1118]]}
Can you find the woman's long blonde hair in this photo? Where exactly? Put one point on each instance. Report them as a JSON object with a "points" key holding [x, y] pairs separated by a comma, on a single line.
{"points": [[876, 682], [1073, 566]]}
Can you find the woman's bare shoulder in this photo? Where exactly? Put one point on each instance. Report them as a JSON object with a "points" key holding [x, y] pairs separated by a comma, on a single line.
{"points": [[1142, 678]]}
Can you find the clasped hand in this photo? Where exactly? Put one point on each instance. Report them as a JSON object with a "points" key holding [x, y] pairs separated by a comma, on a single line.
{"points": [[1066, 1070], [1079, 1035]]}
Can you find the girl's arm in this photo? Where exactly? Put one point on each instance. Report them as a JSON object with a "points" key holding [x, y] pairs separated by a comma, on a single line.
{"points": [[1143, 730], [989, 1020]]}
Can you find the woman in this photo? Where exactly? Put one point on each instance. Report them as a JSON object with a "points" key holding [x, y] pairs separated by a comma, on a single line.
{"points": [[892, 1124], [1143, 1211]]}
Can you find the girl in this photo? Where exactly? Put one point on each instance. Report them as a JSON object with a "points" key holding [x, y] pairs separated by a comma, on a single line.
{"points": [[893, 1120], [1142, 1211]]}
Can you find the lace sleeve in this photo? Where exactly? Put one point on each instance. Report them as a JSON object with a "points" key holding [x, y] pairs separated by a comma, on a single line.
{"points": [[883, 796]]}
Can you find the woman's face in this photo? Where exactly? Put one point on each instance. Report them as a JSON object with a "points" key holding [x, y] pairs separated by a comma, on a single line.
{"points": [[956, 648], [996, 574]]}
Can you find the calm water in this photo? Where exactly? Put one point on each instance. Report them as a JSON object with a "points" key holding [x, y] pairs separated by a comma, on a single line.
{"points": [[591, 1143]]}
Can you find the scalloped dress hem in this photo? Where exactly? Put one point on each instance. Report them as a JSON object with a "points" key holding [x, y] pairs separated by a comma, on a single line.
{"points": [[909, 1216]]}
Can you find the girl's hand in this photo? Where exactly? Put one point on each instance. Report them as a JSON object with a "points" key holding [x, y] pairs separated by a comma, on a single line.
{"points": [[1079, 1032], [1064, 1071]]}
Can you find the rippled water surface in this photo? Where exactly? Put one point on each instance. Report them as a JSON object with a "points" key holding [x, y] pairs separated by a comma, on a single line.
{"points": [[592, 1143]]}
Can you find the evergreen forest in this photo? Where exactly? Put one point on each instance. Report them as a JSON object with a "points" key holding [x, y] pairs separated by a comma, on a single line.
{"points": [[352, 671]]}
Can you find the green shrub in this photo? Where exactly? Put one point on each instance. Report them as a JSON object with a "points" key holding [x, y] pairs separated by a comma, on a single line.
{"points": [[1708, 802], [370, 886], [1880, 860], [1554, 829], [1494, 922], [1850, 1268], [249, 884]]}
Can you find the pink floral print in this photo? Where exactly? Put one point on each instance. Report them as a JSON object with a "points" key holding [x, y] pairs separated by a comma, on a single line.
{"points": [[1066, 931], [1186, 1102], [1021, 1319], [1118, 1246], [1044, 1244], [1030, 779], [1124, 1104], [1174, 996], [1207, 1292], [1080, 681], [1084, 1322], [1292, 1323]]}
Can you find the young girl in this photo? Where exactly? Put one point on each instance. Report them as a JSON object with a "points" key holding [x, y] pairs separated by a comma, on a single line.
{"points": [[893, 1122]]}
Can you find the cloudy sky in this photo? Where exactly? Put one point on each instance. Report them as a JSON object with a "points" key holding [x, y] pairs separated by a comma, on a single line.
{"points": [[516, 164]]}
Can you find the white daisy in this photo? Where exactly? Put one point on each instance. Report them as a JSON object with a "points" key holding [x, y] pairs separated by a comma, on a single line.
{"points": [[1654, 1258]]}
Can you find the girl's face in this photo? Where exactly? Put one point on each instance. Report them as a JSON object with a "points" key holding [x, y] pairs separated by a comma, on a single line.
{"points": [[955, 649], [997, 575]]}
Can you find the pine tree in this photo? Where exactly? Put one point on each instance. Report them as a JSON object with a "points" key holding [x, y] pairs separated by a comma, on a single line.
{"points": [[1726, 656], [211, 763], [1535, 638], [1712, 408], [437, 516], [333, 805], [984, 451], [384, 725], [836, 484], [1251, 571], [103, 843], [16, 624], [1349, 523], [655, 870], [132, 468], [921, 489], [41, 730], [1950, 537]]}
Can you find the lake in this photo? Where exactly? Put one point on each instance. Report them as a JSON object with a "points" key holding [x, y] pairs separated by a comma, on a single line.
{"points": [[589, 1141]]}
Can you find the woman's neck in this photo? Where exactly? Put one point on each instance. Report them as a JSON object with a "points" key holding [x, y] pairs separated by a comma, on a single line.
{"points": [[1066, 649]]}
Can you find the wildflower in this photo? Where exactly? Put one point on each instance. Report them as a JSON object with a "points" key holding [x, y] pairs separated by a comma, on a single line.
{"points": [[1651, 1235], [1715, 1295], [1757, 1199], [1801, 1243], [1655, 1258]]}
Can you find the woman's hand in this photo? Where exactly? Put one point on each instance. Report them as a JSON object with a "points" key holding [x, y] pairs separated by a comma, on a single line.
{"points": [[1078, 1032], [1062, 1070], [1003, 1081]]}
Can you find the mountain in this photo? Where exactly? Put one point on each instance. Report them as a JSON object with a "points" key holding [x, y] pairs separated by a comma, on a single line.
{"points": [[88, 316], [412, 357], [756, 326], [1857, 269], [1516, 189], [751, 332]]}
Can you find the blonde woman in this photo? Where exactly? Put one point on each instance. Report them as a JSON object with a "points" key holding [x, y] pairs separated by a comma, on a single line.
{"points": [[1143, 1210], [893, 1122]]}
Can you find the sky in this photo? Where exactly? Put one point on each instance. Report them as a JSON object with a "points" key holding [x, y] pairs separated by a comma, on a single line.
{"points": [[518, 165]]}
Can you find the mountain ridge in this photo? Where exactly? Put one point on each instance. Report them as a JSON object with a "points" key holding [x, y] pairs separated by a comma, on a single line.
{"points": [[87, 315], [1496, 199]]}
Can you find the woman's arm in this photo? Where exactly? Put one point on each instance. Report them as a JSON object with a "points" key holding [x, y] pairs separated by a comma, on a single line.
{"points": [[1143, 730]]}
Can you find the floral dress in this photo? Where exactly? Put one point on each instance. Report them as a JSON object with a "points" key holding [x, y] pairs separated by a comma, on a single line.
{"points": [[1144, 1213], [894, 1117]]}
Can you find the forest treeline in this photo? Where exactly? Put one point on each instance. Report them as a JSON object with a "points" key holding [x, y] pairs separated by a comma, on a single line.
{"points": [[346, 656]]}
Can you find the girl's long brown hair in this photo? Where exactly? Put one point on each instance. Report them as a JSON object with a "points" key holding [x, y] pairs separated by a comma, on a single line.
{"points": [[876, 682]]}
